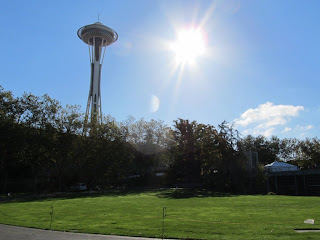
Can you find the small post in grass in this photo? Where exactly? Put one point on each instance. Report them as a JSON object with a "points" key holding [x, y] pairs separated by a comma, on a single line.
{"points": [[163, 215], [51, 213]]}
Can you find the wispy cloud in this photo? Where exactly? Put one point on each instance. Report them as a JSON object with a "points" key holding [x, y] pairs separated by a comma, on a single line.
{"points": [[287, 129], [304, 128], [298, 130], [264, 119]]}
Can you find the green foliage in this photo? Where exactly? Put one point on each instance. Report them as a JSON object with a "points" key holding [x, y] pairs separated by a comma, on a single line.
{"points": [[207, 155], [47, 147], [48, 144]]}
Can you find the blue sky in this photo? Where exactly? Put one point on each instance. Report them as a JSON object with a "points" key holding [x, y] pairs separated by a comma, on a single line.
{"points": [[261, 70]]}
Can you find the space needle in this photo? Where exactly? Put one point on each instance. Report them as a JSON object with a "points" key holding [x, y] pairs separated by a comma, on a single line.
{"points": [[98, 37]]}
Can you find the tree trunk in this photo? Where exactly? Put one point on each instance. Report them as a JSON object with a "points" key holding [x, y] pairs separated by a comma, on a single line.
{"points": [[35, 179], [5, 182]]}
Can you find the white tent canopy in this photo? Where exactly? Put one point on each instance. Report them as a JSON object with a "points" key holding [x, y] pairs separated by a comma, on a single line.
{"points": [[280, 167]]}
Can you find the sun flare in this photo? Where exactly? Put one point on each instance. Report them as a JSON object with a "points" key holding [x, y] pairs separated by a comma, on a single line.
{"points": [[189, 45]]}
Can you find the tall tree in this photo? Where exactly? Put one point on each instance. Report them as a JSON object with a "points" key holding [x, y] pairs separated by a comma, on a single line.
{"points": [[186, 166], [38, 117]]}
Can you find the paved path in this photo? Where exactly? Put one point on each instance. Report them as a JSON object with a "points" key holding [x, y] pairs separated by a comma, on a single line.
{"points": [[16, 233]]}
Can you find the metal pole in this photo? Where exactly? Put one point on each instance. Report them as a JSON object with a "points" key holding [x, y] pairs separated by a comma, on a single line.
{"points": [[296, 183], [51, 216], [305, 185], [163, 215]]}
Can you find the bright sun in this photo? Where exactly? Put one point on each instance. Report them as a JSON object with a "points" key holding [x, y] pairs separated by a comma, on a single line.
{"points": [[189, 45]]}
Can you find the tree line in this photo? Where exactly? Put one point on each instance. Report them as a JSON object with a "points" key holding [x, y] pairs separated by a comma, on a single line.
{"points": [[47, 147]]}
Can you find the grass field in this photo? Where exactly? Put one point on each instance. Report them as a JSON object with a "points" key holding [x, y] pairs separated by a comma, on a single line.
{"points": [[189, 214]]}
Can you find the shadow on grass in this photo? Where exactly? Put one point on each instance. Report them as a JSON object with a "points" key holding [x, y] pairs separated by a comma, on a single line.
{"points": [[69, 195], [160, 193], [191, 193]]}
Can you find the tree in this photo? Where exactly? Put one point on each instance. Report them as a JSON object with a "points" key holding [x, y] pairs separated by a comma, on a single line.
{"points": [[307, 153], [11, 136], [186, 166], [268, 150], [288, 149], [207, 151], [39, 117]]}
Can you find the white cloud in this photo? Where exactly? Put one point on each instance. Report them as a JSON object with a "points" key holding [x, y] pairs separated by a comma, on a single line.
{"points": [[267, 132], [304, 128], [287, 129], [246, 132], [269, 114], [264, 119]]}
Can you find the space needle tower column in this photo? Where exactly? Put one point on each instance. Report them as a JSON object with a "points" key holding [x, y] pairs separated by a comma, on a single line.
{"points": [[98, 37]]}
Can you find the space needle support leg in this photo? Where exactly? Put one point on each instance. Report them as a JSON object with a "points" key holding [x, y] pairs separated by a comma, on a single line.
{"points": [[100, 110], [101, 62]]}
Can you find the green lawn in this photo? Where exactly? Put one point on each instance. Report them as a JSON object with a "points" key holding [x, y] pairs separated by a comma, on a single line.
{"points": [[189, 215]]}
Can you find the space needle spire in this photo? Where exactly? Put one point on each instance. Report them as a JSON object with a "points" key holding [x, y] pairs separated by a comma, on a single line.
{"points": [[98, 37]]}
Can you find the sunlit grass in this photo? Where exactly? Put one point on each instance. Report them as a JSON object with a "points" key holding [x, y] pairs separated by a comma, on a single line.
{"points": [[193, 215]]}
